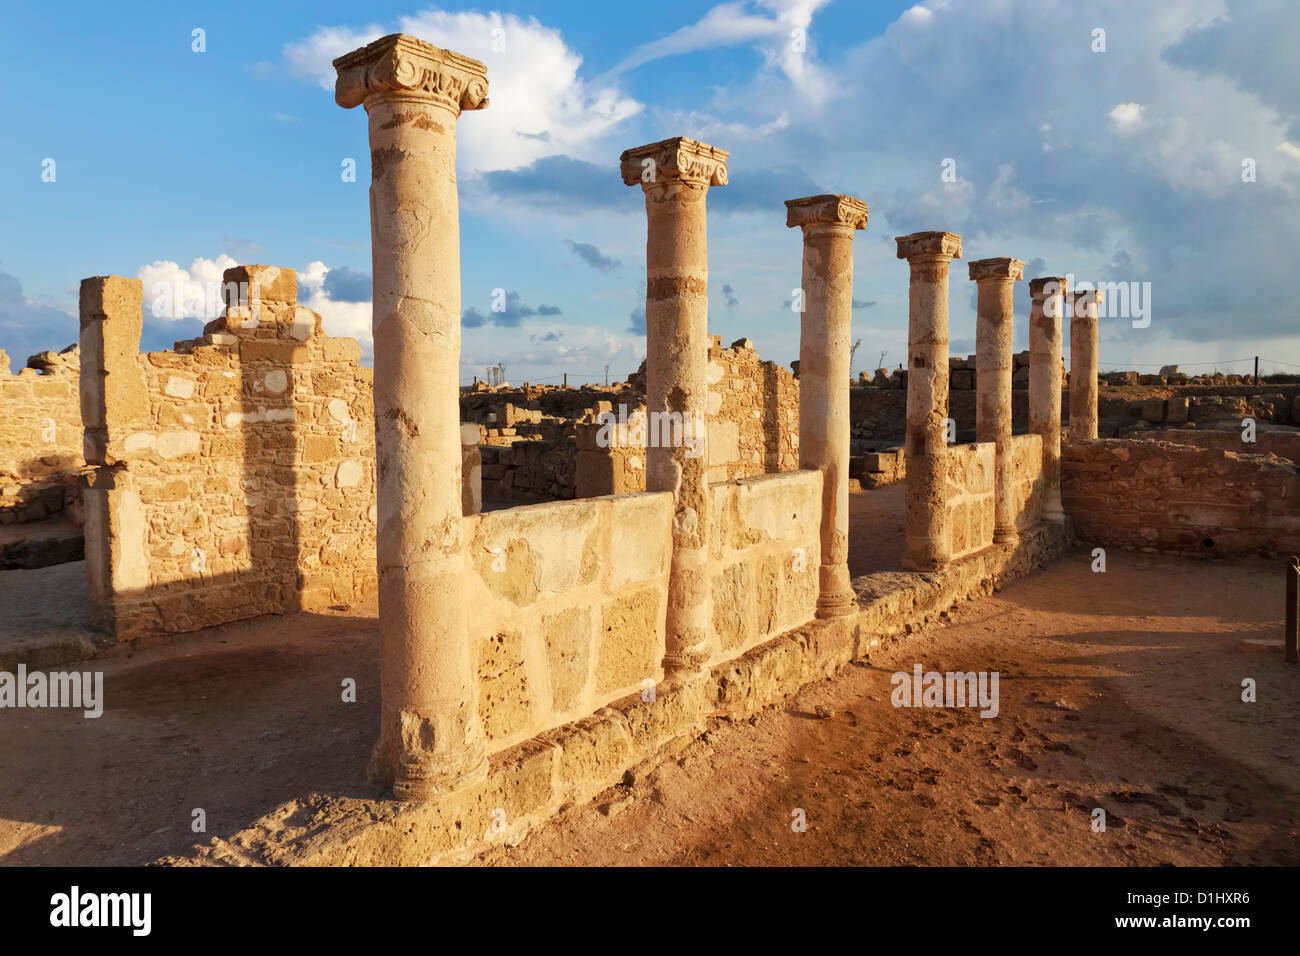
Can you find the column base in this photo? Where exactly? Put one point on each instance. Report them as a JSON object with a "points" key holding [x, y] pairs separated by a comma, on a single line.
{"points": [[836, 605], [913, 563], [1006, 536]]}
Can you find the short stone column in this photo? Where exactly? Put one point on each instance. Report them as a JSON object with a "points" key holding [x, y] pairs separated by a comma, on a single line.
{"points": [[994, 332], [926, 509], [1048, 295], [828, 224], [676, 175], [1083, 365], [431, 738]]}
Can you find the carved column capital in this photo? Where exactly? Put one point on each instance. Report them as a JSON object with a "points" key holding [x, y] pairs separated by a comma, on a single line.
{"points": [[400, 64], [674, 160]]}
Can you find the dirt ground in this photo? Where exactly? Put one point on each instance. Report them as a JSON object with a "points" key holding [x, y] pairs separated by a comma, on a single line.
{"points": [[1118, 690]]}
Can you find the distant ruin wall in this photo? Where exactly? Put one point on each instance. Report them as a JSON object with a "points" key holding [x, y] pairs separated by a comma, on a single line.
{"points": [[1160, 496], [40, 441], [569, 606], [234, 477]]}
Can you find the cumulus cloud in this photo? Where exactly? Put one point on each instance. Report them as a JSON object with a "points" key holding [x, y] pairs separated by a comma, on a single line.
{"points": [[541, 105], [1126, 116], [344, 284], [172, 293]]}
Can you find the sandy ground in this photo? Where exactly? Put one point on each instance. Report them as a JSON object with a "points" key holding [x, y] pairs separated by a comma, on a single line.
{"points": [[1119, 691]]}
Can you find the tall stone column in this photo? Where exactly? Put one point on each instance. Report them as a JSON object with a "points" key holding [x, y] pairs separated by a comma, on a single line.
{"points": [[925, 512], [676, 175], [430, 738], [995, 314], [828, 224], [1083, 365], [1047, 296]]}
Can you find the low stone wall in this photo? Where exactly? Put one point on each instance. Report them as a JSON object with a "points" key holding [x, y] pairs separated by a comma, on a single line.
{"points": [[532, 781], [40, 441], [569, 602], [1027, 490], [1159, 496], [969, 475], [765, 545], [525, 470], [1285, 443], [234, 477]]}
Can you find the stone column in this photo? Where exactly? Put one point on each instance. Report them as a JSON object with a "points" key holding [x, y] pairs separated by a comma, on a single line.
{"points": [[430, 739], [676, 175], [1083, 365], [1045, 314], [828, 223], [994, 327], [926, 516]]}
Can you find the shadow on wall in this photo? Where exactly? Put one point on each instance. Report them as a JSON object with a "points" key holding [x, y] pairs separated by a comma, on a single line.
{"points": [[231, 477]]}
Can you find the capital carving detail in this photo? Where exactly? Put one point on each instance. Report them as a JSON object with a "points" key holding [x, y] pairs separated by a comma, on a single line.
{"points": [[944, 245], [1012, 269], [827, 209], [1048, 286], [399, 63], [674, 160]]}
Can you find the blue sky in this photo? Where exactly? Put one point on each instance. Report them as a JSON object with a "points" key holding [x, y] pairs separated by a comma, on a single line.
{"points": [[1122, 165]]}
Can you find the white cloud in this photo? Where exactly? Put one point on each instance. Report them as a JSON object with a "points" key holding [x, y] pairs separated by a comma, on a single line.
{"points": [[1126, 116], [172, 293], [540, 104]]}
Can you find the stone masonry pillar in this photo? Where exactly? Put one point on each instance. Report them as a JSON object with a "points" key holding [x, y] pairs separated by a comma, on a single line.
{"points": [[1083, 365], [925, 513], [828, 224], [430, 738], [676, 175], [994, 327], [1045, 314]]}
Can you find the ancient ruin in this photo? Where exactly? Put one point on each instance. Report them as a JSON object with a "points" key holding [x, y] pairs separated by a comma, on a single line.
{"points": [[572, 582]]}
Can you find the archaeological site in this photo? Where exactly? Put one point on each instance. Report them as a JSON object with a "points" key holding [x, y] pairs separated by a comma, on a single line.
{"points": [[279, 597]]}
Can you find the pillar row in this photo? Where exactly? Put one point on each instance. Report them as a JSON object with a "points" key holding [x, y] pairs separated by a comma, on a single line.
{"points": [[1083, 365], [828, 223], [995, 281], [430, 739], [675, 175], [1046, 311], [928, 254]]}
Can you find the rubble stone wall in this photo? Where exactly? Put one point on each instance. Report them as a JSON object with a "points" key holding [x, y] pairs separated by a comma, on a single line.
{"points": [[764, 546], [1160, 496], [753, 414], [40, 441], [569, 602], [235, 476]]}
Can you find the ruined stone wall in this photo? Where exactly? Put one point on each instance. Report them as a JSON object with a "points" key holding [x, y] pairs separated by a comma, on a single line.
{"points": [[1269, 440], [753, 414], [235, 475], [968, 480], [1158, 496], [569, 602], [1027, 491], [40, 440], [764, 547]]}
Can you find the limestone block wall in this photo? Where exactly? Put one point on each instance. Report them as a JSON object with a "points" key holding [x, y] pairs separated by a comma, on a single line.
{"points": [[569, 601], [753, 414], [968, 478], [764, 547], [1159, 496], [40, 441], [1027, 491], [235, 475]]}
